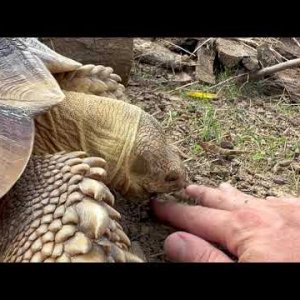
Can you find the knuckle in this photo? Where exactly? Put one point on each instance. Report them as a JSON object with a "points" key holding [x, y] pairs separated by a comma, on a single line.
{"points": [[247, 217], [245, 223]]}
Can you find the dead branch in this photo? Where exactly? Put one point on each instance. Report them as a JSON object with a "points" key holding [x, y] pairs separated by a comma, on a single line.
{"points": [[293, 63]]}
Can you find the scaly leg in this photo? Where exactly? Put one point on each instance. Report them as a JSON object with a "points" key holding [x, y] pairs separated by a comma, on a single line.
{"points": [[61, 211]]}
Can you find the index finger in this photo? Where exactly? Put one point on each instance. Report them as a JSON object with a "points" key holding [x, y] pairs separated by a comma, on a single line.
{"points": [[207, 223], [226, 197]]}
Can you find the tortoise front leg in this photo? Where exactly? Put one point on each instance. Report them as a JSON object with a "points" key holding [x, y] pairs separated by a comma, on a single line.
{"points": [[90, 79], [61, 211]]}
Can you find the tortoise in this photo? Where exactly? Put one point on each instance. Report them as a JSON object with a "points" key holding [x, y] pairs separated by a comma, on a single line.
{"points": [[64, 149]]}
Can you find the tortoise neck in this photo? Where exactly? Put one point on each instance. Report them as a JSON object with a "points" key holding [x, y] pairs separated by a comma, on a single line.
{"points": [[100, 126]]}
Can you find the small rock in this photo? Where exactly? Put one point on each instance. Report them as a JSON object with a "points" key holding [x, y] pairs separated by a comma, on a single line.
{"points": [[251, 63], [265, 184], [144, 216], [174, 98], [279, 180], [266, 56], [133, 231], [259, 176], [145, 230], [205, 66], [281, 164], [226, 144], [219, 171], [154, 54], [272, 193], [296, 168], [286, 80], [181, 77], [231, 52], [136, 248]]}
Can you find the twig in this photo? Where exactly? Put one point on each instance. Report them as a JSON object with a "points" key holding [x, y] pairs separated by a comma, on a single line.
{"points": [[290, 104], [296, 41], [227, 80], [274, 51], [178, 142], [284, 148], [248, 46], [183, 86], [249, 42], [189, 159], [183, 155], [52, 44], [202, 44], [213, 148], [246, 81], [157, 254], [187, 51], [155, 113]]}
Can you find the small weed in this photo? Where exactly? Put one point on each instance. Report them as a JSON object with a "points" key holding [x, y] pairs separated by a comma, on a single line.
{"points": [[171, 117], [196, 149], [211, 129], [208, 124]]}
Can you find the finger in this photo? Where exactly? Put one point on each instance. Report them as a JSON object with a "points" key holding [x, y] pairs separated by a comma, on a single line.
{"points": [[225, 197], [238, 197], [185, 247], [287, 199], [207, 223]]}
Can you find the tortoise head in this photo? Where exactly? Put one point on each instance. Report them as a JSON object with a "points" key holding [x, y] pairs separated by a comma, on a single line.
{"points": [[154, 166]]}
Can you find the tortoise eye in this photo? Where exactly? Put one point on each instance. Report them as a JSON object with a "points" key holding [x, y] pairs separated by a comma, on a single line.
{"points": [[172, 176]]}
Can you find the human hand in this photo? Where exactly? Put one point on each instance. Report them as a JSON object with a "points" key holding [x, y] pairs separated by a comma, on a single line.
{"points": [[252, 229]]}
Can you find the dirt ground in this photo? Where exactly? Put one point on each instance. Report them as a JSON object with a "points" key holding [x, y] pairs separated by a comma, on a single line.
{"points": [[265, 129]]}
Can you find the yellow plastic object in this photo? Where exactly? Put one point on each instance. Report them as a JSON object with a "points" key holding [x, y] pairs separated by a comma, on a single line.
{"points": [[202, 95]]}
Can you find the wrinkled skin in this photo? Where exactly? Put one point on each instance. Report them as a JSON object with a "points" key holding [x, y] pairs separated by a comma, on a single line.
{"points": [[156, 166], [140, 160]]}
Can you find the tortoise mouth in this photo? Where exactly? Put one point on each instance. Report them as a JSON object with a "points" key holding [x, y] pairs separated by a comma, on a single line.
{"points": [[153, 196]]}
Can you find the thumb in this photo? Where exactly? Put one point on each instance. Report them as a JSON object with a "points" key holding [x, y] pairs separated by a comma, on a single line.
{"points": [[186, 247]]}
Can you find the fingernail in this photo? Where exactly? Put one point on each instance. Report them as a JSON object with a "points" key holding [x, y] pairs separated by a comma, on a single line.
{"points": [[177, 248], [156, 201]]}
